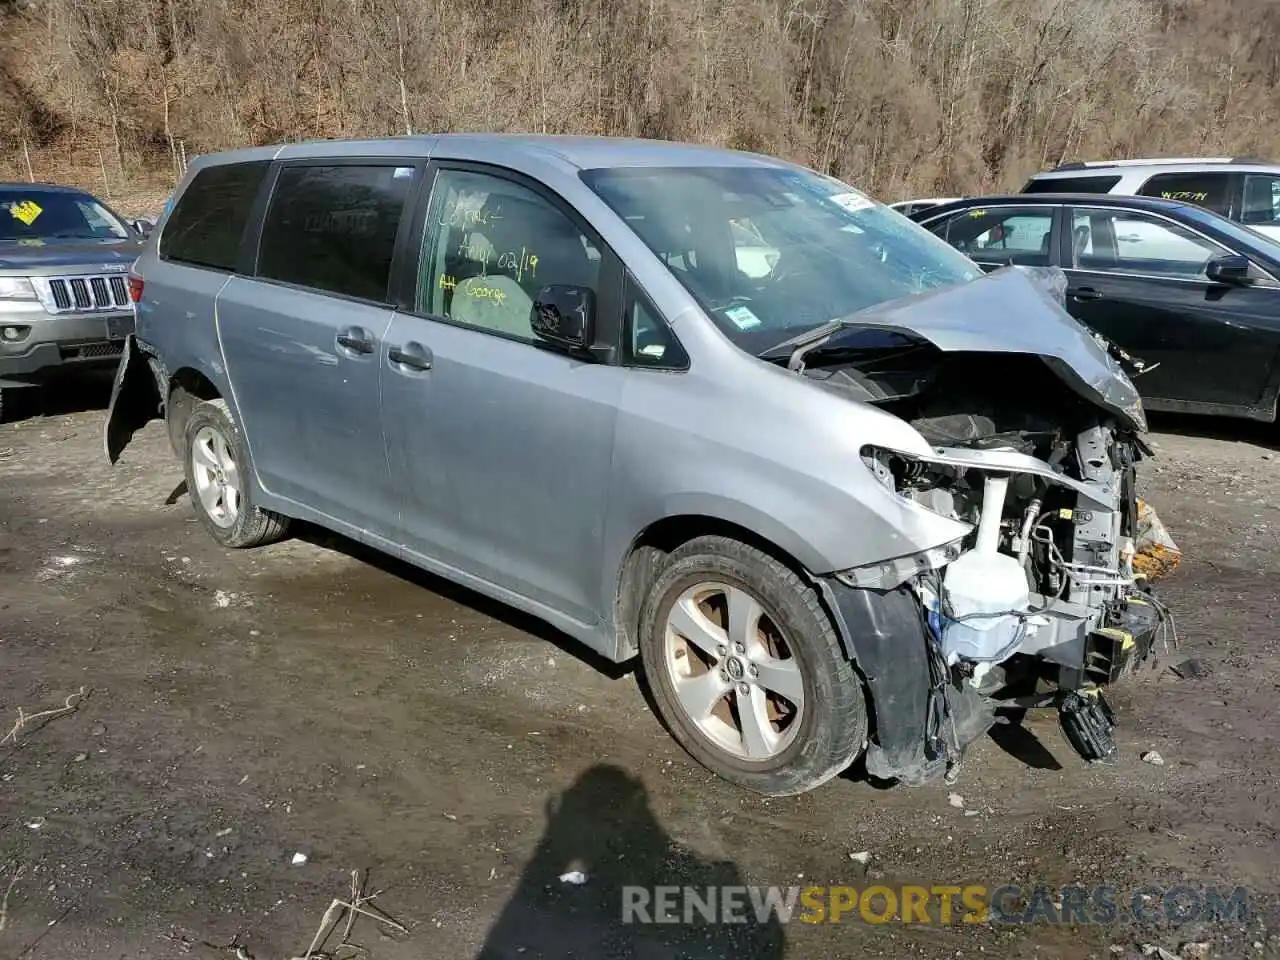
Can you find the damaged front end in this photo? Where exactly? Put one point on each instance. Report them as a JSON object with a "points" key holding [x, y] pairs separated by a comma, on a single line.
{"points": [[1041, 605]]}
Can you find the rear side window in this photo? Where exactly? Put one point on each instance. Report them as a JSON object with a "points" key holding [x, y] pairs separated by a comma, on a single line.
{"points": [[205, 226], [1211, 190], [1018, 235], [1071, 185], [333, 228]]}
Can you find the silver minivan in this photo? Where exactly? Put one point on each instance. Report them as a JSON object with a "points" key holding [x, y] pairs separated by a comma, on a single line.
{"points": [[842, 493]]}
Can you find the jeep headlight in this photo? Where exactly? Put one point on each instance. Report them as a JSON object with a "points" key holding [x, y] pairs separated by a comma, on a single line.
{"points": [[17, 288]]}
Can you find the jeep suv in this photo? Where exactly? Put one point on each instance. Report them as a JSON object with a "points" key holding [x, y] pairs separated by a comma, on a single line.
{"points": [[64, 295], [841, 495], [1246, 191]]}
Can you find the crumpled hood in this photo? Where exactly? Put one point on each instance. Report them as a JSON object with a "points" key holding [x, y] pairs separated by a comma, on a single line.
{"points": [[1015, 310], [88, 253]]}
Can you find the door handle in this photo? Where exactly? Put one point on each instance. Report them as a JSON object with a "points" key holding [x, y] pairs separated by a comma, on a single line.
{"points": [[412, 355], [355, 340], [1084, 293]]}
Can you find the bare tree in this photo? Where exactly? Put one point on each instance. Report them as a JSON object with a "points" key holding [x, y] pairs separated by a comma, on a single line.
{"points": [[902, 96]]}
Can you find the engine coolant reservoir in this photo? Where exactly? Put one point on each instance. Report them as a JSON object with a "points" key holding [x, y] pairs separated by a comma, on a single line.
{"points": [[987, 587]]}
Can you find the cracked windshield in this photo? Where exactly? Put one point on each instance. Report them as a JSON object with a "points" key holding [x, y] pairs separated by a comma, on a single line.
{"points": [[772, 253]]}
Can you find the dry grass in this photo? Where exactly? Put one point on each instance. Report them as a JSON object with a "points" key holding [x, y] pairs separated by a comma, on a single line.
{"points": [[25, 720]]}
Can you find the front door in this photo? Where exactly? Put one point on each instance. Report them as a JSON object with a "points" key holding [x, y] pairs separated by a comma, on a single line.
{"points": [[501, 448], [1139, 279], [303, 339]]}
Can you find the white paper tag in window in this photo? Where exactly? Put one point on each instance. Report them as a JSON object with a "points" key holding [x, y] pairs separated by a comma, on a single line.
{"points": [[853, 202], [742, 318]]}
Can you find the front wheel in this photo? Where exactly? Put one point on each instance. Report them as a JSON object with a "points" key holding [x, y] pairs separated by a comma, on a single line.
{"points": [[217, 472], [747, 671]]}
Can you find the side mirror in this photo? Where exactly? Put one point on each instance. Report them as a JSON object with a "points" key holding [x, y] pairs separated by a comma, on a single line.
{"points": [[1232, 268], [565, 316], [143, 225]]}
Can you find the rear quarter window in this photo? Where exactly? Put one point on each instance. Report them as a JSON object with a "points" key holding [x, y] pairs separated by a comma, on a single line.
{"points": [[1071, 185], [209, 218], [1209, 190]]}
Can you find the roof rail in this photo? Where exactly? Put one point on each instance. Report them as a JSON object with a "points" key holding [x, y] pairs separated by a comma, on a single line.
{"points": [[1153, 161]]}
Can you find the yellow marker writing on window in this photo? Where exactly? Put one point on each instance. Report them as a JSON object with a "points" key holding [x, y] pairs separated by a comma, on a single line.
{"points": [[492, 294], [26, 211]]}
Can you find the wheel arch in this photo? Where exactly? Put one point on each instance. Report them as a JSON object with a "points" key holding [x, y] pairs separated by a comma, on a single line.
{"points": [[188, 387], [649, 546]]}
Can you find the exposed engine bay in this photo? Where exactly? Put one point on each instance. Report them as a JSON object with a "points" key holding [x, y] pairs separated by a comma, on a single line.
{"points": [[1040, 606]]}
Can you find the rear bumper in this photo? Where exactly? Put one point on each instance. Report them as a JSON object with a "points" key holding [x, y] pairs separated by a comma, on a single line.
{"points": [[62, 342]]}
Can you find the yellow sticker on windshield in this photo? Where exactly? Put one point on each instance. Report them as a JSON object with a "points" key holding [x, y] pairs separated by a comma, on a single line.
{"points": [[977, 213], [30, 242], [26, 211]]}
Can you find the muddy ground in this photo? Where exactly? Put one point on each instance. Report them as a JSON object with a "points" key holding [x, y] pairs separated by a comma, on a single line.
{"points": [[310, 698]]}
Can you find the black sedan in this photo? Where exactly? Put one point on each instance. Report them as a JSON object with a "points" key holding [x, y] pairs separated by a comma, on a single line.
{"points": [[1192, 295]]}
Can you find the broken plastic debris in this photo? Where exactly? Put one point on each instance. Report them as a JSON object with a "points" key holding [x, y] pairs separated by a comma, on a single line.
{"points": [[1156, 553], [863, 857], [223, 832], [956, 801], [576, 877], [35, 824], [1153, 758], [299, 859]]}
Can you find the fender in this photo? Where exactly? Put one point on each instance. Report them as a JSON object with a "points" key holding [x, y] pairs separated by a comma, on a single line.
{"points": [[137, 396]]}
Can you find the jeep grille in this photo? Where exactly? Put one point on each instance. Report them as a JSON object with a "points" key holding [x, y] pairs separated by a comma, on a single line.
{"points": [[83, 294]]}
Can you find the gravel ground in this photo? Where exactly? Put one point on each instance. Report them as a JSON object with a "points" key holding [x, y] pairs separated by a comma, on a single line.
{"points": [[311, 698]]}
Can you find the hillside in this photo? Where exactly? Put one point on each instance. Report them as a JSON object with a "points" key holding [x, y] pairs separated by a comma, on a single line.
{"points": [[903, 97]]}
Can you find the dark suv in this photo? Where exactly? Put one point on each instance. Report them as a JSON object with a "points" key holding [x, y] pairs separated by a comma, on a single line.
{"points": [[64, 293]]}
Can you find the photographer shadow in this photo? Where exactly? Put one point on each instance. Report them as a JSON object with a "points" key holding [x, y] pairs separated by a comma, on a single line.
{"points": [[603, 828]]}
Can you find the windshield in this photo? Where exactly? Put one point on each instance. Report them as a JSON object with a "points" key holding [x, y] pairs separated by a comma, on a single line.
{"points": [[34, 214], [1236, 232], [770, 253]]}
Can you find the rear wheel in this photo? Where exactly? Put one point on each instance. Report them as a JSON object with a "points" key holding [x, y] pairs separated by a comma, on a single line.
{"points": [[747, 670], [217, 472]]}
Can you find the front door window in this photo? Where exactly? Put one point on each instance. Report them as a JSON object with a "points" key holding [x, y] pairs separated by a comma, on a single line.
{"points": [[1114, 240], [490, 246]]}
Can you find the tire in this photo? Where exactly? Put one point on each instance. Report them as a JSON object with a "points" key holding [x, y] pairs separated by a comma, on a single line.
{"points": [[222, 497], [801, 746]]}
